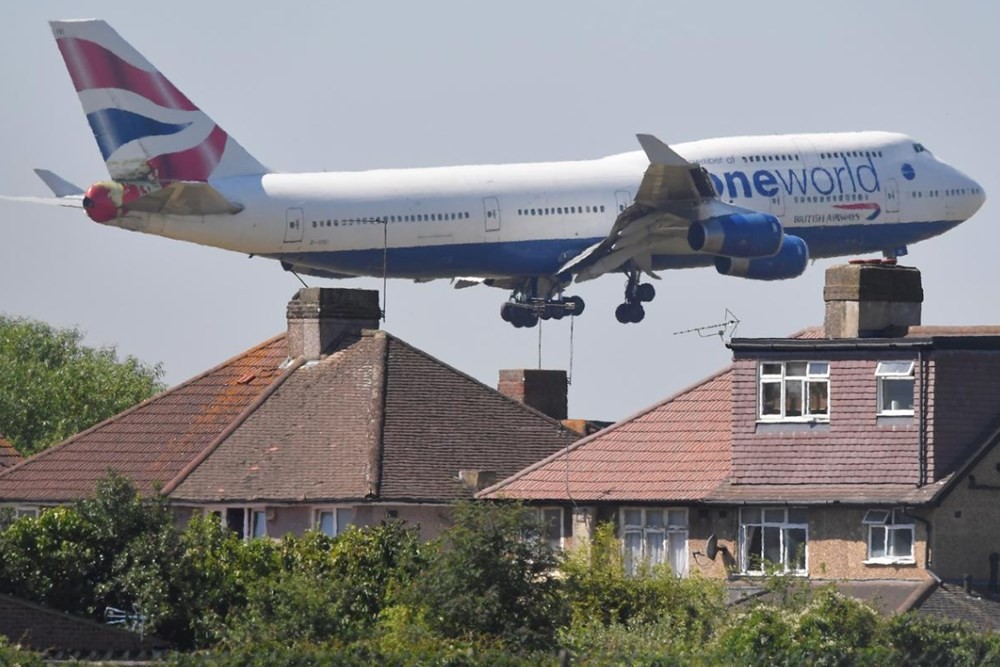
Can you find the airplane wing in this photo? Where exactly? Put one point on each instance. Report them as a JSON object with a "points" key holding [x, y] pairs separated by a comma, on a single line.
{"points": [[673, 193]]}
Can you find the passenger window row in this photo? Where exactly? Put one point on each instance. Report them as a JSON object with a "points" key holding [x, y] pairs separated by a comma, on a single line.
{"points": [[378, 220], [561, 210]]}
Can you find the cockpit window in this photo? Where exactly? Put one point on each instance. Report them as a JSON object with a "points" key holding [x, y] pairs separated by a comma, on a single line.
{"points": [[919, 148]]}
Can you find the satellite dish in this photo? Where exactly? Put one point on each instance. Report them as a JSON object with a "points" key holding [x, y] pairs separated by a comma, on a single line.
{"points": [[712, 546]]}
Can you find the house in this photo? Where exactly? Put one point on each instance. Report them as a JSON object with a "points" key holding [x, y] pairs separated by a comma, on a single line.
{"points": [[332, 423], [860, 453]]}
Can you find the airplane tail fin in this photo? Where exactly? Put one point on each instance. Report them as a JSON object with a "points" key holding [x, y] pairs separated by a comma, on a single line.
{"points": [[146, 128]]}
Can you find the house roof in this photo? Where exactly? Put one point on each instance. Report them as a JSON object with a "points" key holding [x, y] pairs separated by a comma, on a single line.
{"points": [[981, 608], [676, 450], [8, 455], [728, 493], [60, 635], [373, 419], [152, 442]]}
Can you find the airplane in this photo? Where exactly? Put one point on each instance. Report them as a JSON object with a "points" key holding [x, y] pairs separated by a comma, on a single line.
{"points": [[753, 207]]}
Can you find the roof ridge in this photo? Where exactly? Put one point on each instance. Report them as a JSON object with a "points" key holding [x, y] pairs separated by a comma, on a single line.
{"points": [[167, 392], [493, 390], [238, 421], [618, 424]]}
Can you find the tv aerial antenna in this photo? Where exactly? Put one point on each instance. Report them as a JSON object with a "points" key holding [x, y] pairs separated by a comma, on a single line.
{"points": [[134, 620], [724, 330]]}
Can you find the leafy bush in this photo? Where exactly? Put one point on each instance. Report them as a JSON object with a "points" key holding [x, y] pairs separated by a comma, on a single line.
{"points": [[328, 589], [493, 577], [925, 640], [599, 590]]}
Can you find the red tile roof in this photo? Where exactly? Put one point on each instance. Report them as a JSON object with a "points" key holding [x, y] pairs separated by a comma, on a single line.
{"points": [[152, 442], [823, 494], [676, 450], [376, 419], [8, 455]]}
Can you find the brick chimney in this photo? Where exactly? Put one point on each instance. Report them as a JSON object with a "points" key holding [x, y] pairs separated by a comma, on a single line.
{"points": [[545, 391], [869, 300], [319, 317]]}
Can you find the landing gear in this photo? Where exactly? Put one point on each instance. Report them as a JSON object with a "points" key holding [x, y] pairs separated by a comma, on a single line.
{"points": [[636, 293], [539, 299]]}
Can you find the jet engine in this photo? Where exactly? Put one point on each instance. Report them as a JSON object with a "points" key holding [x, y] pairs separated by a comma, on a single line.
{"points": [[737, 235], [103, 201], [789, 262]]}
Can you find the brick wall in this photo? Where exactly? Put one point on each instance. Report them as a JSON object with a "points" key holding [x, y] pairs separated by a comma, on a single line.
{"points": [[967, 390]]}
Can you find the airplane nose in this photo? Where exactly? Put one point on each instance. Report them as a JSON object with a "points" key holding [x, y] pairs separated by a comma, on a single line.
{"points": [[979, 197]]}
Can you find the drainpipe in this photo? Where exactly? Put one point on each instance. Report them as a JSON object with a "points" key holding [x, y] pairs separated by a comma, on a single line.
{"points": [[922, 427]]}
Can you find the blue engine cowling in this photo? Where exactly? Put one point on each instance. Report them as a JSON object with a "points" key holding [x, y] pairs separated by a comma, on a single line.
{"points": [[789, 262], [737, 235]]}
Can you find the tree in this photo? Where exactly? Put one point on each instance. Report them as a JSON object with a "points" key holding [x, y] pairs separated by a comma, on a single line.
{"points": [[53, 386], [495, 578]]}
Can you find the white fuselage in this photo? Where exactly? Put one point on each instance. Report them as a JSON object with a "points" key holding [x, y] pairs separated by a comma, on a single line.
{"points": [[845, 193]]}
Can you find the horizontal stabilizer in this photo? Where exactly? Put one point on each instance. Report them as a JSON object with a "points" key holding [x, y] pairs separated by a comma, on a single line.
{"points": [[60, 186], [70, 201], [185, 198]]}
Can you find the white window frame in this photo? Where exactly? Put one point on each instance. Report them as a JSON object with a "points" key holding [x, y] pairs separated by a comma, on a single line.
{"points": [[816, 373], [890, 522], [543, 514], [21, 511], [672, 527], [770, 519], [341, 515], [251, 515], [894, 371]]}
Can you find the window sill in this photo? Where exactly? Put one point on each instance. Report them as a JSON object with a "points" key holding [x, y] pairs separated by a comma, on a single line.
{"points": [[797, 425], [762, 575], [890, 561]]}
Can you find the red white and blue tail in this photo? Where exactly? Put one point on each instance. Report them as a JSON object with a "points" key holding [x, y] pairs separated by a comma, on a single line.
{"points": [[146, 128]]}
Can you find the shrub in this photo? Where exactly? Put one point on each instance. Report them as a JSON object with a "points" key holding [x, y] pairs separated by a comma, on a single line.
{"points": [[492, 577]]}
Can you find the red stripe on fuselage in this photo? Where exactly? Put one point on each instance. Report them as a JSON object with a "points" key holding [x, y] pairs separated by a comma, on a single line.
{"points": [[92, 66], [194, 164]]}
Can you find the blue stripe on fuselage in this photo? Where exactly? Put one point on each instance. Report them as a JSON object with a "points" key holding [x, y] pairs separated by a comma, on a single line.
{"points": [[527, 258]]}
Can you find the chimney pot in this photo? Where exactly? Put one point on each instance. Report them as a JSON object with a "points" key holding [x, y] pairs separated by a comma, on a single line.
{"points": [[319, 317]]}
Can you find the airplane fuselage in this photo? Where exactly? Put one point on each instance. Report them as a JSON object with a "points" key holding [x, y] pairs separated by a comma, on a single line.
{"points": [[845, 193]]}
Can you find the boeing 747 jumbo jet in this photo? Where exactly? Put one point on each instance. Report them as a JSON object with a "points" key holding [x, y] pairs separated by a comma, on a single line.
{"points": [[754, 207]]}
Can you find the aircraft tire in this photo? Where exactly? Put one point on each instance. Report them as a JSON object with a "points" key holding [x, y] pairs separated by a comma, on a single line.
{"points": [[646, 292], [622, 313], [578, 305]]}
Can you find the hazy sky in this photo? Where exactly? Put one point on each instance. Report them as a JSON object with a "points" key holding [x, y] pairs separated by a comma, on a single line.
{"points": [[307, 86]]}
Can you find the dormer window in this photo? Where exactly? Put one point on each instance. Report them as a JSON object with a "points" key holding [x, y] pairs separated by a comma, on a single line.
{"points": [[895, 387], [794, 391]]}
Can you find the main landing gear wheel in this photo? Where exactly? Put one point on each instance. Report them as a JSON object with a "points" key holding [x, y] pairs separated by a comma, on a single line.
{"points": [[630, 313], [518, 315], [636, 294], [521, 314]]}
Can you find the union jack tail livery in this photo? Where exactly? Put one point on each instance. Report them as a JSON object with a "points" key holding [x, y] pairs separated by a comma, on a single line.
{"points": [[146, 128]]}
